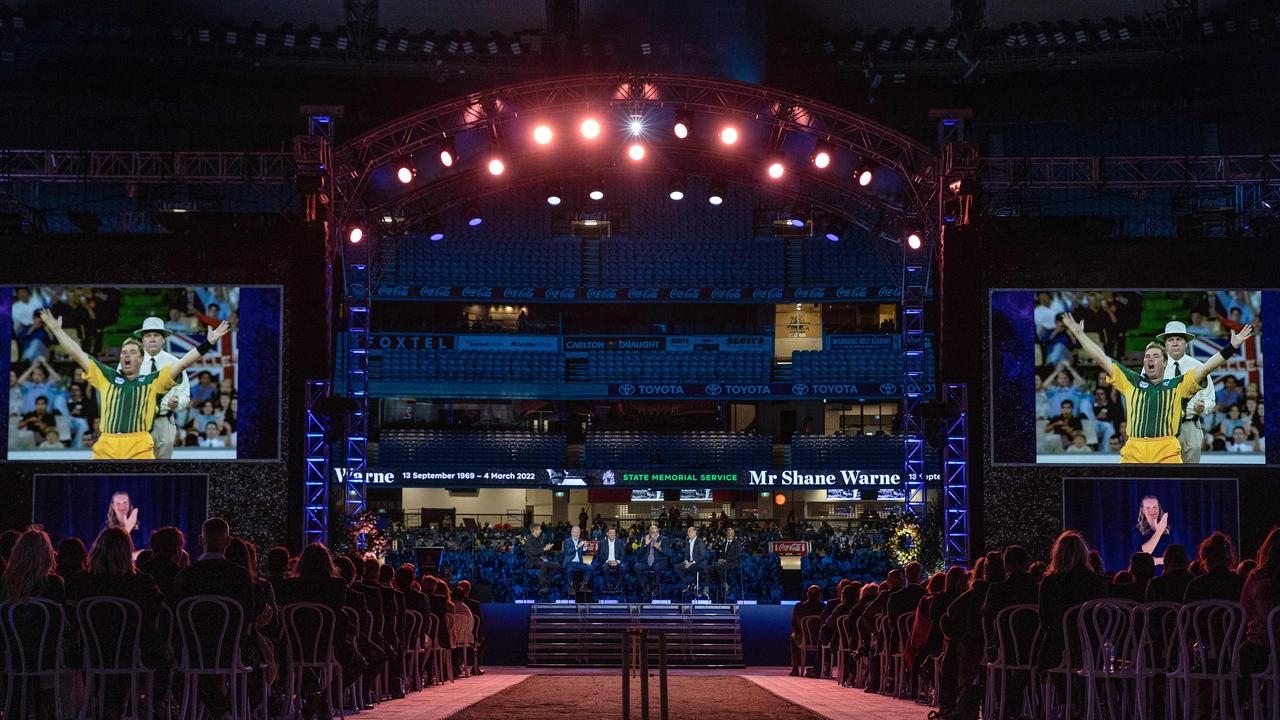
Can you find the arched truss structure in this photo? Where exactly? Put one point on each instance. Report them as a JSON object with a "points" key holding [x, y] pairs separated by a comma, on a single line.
{"points": [[905, 193]]}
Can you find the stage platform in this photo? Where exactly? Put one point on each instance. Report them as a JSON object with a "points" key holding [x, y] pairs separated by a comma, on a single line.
{"points": [[823, 697], [698, 635], [589, 634]]}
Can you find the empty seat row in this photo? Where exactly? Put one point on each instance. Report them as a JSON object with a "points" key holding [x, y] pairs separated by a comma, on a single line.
{"points": [[693, 367], [471, 450], [468, 366], [845, 366], [710, 450]]}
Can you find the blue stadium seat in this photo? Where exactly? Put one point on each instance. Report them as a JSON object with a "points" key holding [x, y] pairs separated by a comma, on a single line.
{"points": [[674, 367], [470, 450], [710, 450], [468, 366]]}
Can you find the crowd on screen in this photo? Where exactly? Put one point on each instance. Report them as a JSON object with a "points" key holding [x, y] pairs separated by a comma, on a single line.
{"points": [[1078, 410], [372, 606], [51, 404], [931, 635]]}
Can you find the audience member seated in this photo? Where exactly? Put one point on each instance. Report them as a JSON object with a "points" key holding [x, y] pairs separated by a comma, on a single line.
{"points": [[1142, 567], [1217, 581], [463, 595], [72, 558], [164, 562], [1171, 585], [811, 606], [111, 573], [315, 580], [1261, 595], [1068, 582], [31, 569]]}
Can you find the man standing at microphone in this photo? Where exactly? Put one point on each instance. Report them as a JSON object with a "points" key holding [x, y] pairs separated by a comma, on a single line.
{"points": [[164, 430], [1176, 341]]}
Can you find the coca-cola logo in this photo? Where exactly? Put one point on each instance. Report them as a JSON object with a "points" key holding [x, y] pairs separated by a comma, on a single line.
{"points": [[766, 294], [561, 293], [602, 294], [393, 291], [683, 294], [642, 294], [443, 291], [855, 292], [726, 293], [792, 547], [888, 292], [812, 293], [526, 293], [477, 292]]}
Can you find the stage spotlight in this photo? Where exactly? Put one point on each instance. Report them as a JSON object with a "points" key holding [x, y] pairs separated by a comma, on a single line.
{"points": [[676, 190], [683, 124], [716, 194], [636, 151], [864, 173], [729, 135], [833, 231], [433, 230], [595, 190], [590, 128], [915, 239], [822, 155], [777, 167], [405, 172], [636, 125], [554, 197], [497, 167], [474, 217], [448, 155], [799, 217], [355, 235], [542, 134]]}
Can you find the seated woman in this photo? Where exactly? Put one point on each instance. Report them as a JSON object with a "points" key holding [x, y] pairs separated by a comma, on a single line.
{"points": [[112, 574]]}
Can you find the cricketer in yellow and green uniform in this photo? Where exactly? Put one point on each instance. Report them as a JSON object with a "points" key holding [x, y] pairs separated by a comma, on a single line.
{"points": [[1153, 404], [1154, 414], [127, 409]]}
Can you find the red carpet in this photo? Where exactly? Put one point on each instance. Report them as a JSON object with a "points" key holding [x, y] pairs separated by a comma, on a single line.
{"points": [[698, 697]]}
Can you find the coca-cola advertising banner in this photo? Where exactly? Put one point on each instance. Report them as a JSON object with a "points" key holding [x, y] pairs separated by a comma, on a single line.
{"points": [[789, 548], [826, 293]]}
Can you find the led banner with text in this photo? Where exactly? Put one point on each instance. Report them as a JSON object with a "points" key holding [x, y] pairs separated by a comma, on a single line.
{"points": [[877, 478], [832, 293]]}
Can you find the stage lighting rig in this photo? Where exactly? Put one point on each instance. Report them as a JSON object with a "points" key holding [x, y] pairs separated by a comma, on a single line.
{"points": [[474, 218], [405, 171], [716, 194], [676, 189], [683, 125], [864, 173], [447, 153], [590, 128], [823, 153]]}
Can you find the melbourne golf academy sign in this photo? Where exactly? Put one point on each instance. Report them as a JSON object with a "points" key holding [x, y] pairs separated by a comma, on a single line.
{"points": [[425, 476]]}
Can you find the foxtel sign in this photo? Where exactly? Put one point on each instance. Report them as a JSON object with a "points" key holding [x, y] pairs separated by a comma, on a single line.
{"points": [[843, 478]]}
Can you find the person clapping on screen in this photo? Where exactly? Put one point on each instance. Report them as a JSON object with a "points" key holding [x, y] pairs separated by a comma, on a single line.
{"points": [[1152, 535]]}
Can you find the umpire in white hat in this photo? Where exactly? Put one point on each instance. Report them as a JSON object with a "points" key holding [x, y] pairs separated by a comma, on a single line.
{"points": [[1176, 341], [164, 430]]}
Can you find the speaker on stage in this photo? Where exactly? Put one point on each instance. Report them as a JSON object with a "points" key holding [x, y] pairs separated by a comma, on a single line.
{"points": [[792, 585]]}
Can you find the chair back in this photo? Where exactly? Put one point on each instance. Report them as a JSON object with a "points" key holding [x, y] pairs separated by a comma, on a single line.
{"points": [[413, 626], [809, 627], [902, 625], [308, 632], [32, 632], [433, 629], [1015, 630], [844, 626], [110, 632], [353, 623], [368, 625], [1217, 625], [450, 622], [1162, 631], [211, 627], [1122, 623]]}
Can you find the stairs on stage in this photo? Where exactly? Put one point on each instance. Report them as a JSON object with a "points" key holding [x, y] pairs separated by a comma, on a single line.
{"points": [[564, 635]]}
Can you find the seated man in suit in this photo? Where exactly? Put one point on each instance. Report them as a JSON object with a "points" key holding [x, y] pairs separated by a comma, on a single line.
{"points": [[535, 558], [693, 558], [610, 561], [574, 547], [729, 563], [651, 560], [214, 574]]}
